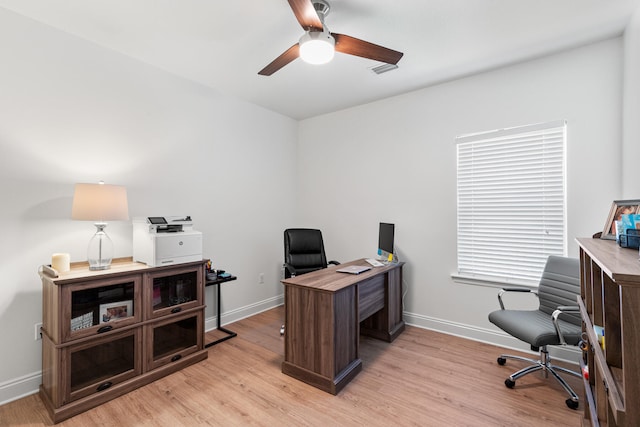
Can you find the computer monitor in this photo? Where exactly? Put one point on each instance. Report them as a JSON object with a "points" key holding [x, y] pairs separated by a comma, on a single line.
{"points": [[385, 241]]}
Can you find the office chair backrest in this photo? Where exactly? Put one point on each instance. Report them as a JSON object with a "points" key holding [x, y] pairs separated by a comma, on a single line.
{"points": [[304, 249], [560, 285]]}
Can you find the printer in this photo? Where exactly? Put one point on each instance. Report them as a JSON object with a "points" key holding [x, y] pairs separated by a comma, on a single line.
{"points": [[165, 240]]}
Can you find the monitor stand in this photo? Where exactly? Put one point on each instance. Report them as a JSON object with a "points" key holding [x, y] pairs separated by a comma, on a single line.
{"points": [[385, 261]]}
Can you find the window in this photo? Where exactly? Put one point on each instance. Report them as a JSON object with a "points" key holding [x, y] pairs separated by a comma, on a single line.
{"points": [[511, 202]]}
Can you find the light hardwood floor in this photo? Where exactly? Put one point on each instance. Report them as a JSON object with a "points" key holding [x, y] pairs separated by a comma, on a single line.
{"points": [[422, 379]]}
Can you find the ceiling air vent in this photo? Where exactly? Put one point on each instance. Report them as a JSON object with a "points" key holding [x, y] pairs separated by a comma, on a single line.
{"points": [[384, 68]]}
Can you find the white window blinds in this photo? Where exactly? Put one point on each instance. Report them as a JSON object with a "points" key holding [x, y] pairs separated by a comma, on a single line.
{"points": [[511, 202]]}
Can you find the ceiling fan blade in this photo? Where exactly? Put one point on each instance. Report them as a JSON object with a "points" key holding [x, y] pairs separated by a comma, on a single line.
{"points": [[289, 55], [353, 46], [306, 14]]}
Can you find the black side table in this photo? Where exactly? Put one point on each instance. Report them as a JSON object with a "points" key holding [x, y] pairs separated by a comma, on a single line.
{"points": [[230, 334]]}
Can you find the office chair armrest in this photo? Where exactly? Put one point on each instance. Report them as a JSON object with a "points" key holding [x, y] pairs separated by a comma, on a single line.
{"points": [[291, 269], [568, 309], [334, 262], [556, 315], [505, 290]]}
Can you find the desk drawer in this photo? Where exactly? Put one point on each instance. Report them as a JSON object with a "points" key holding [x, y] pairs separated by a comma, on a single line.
{"points": [[370, 296]]}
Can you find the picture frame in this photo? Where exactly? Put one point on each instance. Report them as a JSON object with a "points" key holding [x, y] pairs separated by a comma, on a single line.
{"points": [[618, 208], [116, 310]]}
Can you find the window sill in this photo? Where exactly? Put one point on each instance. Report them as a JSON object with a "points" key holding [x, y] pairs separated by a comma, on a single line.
{"points": [[491, 282]]}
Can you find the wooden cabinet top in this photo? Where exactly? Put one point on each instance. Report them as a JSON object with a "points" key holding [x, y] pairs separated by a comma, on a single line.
{"points": [[119, 267], [329, 280], [621, 264]]}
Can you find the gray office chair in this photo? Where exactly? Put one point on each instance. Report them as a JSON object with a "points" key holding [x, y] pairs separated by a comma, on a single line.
{"points": [[556, 321], [303, 253]]}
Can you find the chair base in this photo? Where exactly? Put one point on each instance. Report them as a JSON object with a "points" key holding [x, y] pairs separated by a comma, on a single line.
{"points": [[545, 365]]}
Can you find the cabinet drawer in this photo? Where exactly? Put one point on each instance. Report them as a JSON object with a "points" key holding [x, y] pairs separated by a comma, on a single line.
{"points": [[169, 340], [98, 306], [97, 365], [371, 297], [173, 291]]}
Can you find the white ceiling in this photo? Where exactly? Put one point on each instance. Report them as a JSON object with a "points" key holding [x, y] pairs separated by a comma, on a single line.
{"points": [[223, 44]]}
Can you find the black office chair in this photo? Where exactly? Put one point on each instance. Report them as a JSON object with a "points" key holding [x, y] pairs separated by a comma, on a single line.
{"points": [[303, 253], [556, 321]]}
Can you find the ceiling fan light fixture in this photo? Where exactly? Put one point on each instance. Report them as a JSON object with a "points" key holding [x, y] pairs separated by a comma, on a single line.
{"points": [[311, 15], [317, 47]]}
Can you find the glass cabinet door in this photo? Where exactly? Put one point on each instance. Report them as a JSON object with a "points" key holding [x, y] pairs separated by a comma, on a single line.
{"points": [[100, 364], [172, 293], [100, 307], [175, 338]]}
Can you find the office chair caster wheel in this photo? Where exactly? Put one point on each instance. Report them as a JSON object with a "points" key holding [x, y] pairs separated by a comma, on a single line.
{"points": [[572, 404], [501, 361], [510, 383]]}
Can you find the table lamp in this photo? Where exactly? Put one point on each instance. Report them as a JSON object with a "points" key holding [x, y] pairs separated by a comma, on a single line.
{"points": [[100, 202]]}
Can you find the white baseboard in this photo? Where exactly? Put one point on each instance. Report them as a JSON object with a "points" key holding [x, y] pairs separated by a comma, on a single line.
{"points": [[568, 354], [18, 388], [211, 323]]}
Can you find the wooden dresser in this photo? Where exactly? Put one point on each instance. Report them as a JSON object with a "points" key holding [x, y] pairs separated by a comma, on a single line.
{"points": [[105, 333]]}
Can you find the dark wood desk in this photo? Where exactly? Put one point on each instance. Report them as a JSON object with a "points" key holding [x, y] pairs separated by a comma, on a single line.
{"points": [[325, 311]]}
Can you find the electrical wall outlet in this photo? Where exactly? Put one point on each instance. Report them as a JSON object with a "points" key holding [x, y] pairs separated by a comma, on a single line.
{"points": [[38, 332], [261, 279]]}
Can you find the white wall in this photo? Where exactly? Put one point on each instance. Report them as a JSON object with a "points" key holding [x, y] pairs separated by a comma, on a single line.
{"points": [[395, 160], [74, 112], [631, 102]]}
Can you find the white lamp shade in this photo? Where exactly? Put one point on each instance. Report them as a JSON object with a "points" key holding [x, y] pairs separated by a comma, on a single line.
{"points": [[317, 47], [100, 202]]}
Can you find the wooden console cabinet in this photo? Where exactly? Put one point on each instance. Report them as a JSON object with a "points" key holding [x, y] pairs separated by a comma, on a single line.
{"points": [[610, 287], [105, 333]]}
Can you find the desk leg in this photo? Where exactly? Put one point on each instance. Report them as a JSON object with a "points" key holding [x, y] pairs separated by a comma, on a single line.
{"points": [[321, 338], [230, 334]]}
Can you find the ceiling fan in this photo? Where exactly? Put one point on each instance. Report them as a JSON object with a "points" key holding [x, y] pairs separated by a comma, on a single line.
{"points": [[310, 15]]}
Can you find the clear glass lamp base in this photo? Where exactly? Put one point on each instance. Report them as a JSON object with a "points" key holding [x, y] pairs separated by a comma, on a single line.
{"points": [[100, 251]]}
